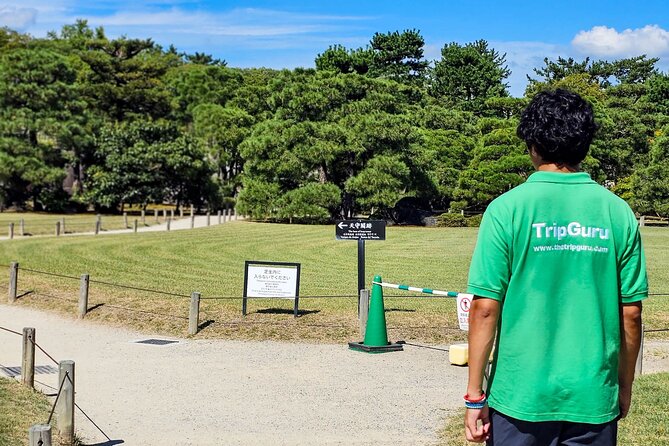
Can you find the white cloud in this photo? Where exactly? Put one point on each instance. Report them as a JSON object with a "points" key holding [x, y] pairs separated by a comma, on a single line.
{"points": [[602, 41], [17, 18]]}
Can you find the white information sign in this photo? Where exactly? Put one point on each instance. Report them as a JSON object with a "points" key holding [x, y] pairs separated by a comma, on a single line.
{"points": [[271, 281], [464, 302]]}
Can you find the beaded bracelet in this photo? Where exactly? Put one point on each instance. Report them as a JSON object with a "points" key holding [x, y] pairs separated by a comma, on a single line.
{"points": [[477, 403]]}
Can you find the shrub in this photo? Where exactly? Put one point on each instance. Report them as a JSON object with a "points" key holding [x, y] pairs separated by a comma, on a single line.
{"points": [[452, 221], [474, 221]]}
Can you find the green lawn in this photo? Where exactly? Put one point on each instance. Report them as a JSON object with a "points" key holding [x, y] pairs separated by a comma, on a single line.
{"points": [[20, 408], [646, 425], [210, 260], [37, 223]]}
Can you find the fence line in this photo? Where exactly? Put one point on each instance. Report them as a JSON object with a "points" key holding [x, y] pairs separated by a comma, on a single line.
{"points": [[231, 298]]}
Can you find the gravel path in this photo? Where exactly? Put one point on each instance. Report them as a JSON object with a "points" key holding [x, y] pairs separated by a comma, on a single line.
{"points": [[218, 392]]}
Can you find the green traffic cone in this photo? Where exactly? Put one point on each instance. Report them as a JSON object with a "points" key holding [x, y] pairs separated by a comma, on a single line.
{"points": [[376, 334]]}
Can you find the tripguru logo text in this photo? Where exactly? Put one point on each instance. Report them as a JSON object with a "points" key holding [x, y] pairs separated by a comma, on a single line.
{"points": [[573, 229]]}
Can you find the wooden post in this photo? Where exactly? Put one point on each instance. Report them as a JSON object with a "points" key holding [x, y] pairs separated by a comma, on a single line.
{"points": [[125, 220], [169, 223], [11, 231], [99, 219], [13, 281], [192, 221], [194, 313], [143, 217], [181, 212], [83, 295], [164, 214], [228, 212], [98, 225], [134, 225], [57, 228], [155, 214], [65, 405], [28, 362], [208, 218], [22, 227], [219, 216], [638, 370], [62, 225], [172, 214], [191, 210], [363, 311], [39, 435], [642, 221]]}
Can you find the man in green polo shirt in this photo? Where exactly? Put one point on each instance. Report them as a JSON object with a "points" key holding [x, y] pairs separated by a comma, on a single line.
{"points": [[558, 275]]}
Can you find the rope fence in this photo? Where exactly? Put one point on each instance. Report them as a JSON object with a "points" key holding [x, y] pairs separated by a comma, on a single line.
{"points": [[412, 292], [66, 377]]}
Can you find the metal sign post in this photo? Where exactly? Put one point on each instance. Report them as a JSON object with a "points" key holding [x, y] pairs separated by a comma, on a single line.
{"points": [[360, 230]]}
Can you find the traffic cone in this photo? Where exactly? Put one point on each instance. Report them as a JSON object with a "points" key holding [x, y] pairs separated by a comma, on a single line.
{"points": [[376, 335]]}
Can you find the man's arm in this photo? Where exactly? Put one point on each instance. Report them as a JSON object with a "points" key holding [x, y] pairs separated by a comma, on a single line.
{"points": [[630, 343], [483, 316]]}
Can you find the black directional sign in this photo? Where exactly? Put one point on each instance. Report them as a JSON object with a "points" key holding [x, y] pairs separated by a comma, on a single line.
{"points": [[360, 230]]}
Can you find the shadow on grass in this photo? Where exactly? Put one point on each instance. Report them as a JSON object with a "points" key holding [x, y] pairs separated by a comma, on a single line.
{"points": [[401, 310], [27, 293], [205, 324], [286, 311], [95, 307]]}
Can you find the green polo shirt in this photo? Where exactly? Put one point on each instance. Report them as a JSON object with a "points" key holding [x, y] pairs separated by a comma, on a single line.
{"points": [[561, 253]]}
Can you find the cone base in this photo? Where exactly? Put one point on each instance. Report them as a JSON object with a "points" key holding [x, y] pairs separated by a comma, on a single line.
{"points": [[390, 347]]}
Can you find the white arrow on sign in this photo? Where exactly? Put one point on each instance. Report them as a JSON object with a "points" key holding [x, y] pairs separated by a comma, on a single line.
{"points": [[342, 225]]}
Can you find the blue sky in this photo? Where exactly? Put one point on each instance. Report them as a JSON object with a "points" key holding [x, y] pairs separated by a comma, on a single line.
{"points": [[287, 34]]}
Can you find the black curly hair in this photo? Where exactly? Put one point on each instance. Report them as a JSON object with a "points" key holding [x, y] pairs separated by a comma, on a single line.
{"points": [[559, 125]]}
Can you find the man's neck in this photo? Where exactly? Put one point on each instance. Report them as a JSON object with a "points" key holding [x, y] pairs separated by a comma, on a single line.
{"points": [[560, 168]]}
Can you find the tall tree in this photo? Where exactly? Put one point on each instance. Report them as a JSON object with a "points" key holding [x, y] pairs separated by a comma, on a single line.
{"points": [[467, 75]]}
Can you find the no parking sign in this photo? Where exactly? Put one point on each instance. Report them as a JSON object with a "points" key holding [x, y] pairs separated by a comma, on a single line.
{"points": [[464, 302]]}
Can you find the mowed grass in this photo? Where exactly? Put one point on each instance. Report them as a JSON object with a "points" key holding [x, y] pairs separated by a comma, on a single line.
{"points": [[647, 424], [20, 408], [42, 223], [211, 261]]}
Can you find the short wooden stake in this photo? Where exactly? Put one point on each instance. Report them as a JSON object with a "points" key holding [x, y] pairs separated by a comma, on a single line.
{"points": [[181, 212], [155, 214], [234, 210], [219, 216], [172, 214], [642, 221], [83, 295], [228, 212], [143, 217], [194, 313], [11, 231], [125, 220], [638, 370], [57, 228], [134, 225], [62, 225], [208, 218], [192, 221], [13, 281], [169, 223], [39, 435], [22, 227], [98, 225], [191, 210], [164, 214], [28, 362], [65, 404], [363, 311]]}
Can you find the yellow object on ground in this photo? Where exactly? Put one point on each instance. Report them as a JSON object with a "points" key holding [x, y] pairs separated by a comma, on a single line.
{"points": [[458, 354]]}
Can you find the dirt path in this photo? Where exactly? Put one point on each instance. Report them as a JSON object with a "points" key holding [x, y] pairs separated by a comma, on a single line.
{"points": [[215, 392]]}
